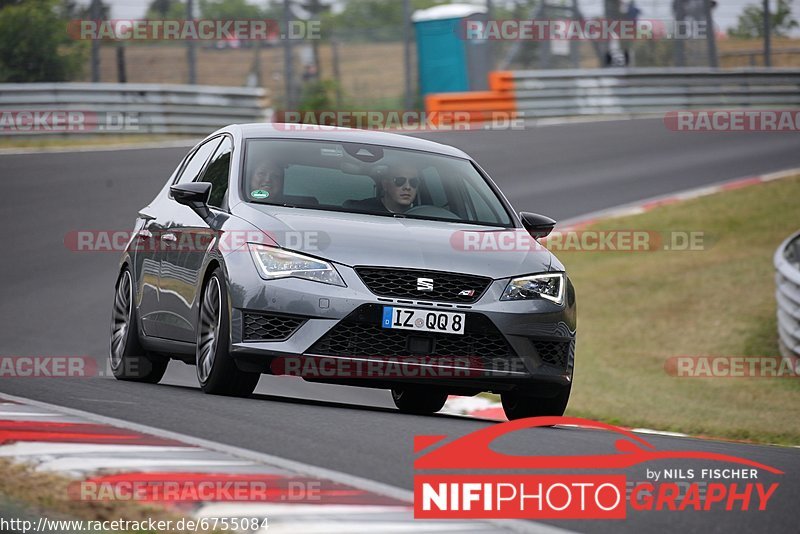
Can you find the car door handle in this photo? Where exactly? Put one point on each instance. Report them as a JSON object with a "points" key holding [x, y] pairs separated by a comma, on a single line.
{"points": [[169, 238], [144, 233]]}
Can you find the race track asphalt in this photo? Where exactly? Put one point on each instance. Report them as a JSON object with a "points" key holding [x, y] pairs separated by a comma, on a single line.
{"points": [[57, 302]]}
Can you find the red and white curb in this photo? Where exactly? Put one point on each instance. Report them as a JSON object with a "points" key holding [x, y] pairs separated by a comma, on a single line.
{"points": [[477, 407], [99, 452], [646, 205]]}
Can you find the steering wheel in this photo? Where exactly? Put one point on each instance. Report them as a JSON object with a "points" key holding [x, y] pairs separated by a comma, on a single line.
{"points": [[431, 211]]}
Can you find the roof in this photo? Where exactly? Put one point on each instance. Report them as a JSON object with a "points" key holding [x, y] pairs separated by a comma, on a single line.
{"points": [[447, 11], [353, 135]]}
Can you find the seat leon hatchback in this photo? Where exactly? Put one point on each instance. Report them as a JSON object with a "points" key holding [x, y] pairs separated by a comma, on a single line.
{"points": [[350, 257]]}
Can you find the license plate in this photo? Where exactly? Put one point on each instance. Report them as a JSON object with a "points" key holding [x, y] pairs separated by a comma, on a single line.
{"points": [[423, 320]]}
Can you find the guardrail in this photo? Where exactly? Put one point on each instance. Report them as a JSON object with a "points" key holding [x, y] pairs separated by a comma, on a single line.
{"points": [[787, 282], [561, 93], [126, 108]]}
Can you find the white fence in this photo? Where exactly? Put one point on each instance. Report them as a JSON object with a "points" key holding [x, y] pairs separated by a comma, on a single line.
{"points": [[556, 93], [787, 281], [51, 108]]}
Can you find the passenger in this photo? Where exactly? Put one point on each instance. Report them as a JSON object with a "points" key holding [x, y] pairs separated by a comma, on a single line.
{"points": [[266, 182]]}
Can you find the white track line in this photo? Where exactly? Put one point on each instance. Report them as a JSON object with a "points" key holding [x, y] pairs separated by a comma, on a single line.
{"points": [[49, 448], [83, 464], [28, 414]]}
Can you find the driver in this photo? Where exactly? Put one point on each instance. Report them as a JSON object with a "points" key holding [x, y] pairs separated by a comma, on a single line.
{"points": [[399, 188]]}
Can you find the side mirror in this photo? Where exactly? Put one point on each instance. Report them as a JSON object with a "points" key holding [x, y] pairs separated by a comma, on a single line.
{"points": [[193, 194], [537, 225]]}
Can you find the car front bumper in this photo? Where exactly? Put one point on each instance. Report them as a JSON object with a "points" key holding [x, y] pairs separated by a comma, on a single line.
{"points": [[342, 325]]}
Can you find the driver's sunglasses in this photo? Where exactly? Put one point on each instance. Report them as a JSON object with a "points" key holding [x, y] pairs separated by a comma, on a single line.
{"points": [[400, 181]]}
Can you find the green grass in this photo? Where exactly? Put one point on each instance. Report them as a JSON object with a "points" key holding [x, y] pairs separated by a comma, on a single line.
{"points": [[636, 309], [47, 494]]}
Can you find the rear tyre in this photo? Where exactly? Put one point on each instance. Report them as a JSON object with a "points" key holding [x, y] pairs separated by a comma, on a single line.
{"points": [[128, 360], [518, 407], [418, 401], [216, 370]]}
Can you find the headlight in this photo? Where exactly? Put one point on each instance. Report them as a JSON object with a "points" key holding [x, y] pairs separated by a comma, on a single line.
{"points": [[273, 262], [548, 286]]}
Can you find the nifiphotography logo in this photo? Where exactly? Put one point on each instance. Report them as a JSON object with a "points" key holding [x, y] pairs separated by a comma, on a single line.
{"points": [[489, 492]]}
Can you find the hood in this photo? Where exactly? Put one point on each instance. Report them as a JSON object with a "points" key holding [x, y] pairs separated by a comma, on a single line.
{"points": [[359, 239]]}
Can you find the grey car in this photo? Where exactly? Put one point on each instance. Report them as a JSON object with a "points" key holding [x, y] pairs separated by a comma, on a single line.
{"points": [[350, 257]]}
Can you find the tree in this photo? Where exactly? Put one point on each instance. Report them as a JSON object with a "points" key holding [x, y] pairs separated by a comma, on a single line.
{"points": [[375, 20], [166, 10], [751, 21], [161, 7], [72, 10], [35, 46], [229, 10]]}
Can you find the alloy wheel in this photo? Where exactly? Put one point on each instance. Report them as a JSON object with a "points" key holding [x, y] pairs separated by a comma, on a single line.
{"points": [[208, 330], [121, 318]]}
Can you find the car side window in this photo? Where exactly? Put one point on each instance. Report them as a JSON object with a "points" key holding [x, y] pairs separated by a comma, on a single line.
{"points": [[198, 160], [217, 173]]}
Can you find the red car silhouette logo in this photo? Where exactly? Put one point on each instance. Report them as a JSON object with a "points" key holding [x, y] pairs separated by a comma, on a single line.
{"points": [[473, 452]]}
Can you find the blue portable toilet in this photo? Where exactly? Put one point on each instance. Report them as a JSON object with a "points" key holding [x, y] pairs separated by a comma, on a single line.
{"points": [[446, 62]]}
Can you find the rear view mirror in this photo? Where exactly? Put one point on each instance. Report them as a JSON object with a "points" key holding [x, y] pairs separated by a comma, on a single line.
{"points": [[537, 225]]}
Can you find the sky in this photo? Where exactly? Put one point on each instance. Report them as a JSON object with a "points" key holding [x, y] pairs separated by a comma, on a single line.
{"points": [[725, 14]]}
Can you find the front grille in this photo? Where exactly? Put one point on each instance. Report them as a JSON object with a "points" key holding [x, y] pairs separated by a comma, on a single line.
{"points": [[553, 352], [354, 339], [269, 327], [361, 334], [404, 283]]}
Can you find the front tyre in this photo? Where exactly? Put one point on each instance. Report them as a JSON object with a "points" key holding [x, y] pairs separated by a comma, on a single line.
{"points": [[216, 370], [128, 360], [518, 407], [418, 401]]}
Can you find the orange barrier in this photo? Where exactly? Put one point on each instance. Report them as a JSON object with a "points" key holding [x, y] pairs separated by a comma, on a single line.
{"points": [[501, 80], [475, 106]]}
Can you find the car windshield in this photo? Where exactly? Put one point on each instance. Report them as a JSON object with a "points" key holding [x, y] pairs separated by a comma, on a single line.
{"points": [[364, 178]]}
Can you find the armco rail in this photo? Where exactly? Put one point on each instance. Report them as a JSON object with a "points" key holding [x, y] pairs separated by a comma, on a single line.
{"points": [[787, 280], [136, 108], [564, 93]]}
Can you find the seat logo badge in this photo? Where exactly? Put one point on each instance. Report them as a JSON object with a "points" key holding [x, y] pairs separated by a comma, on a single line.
{"points": [[466, 293], [424, 284]]}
